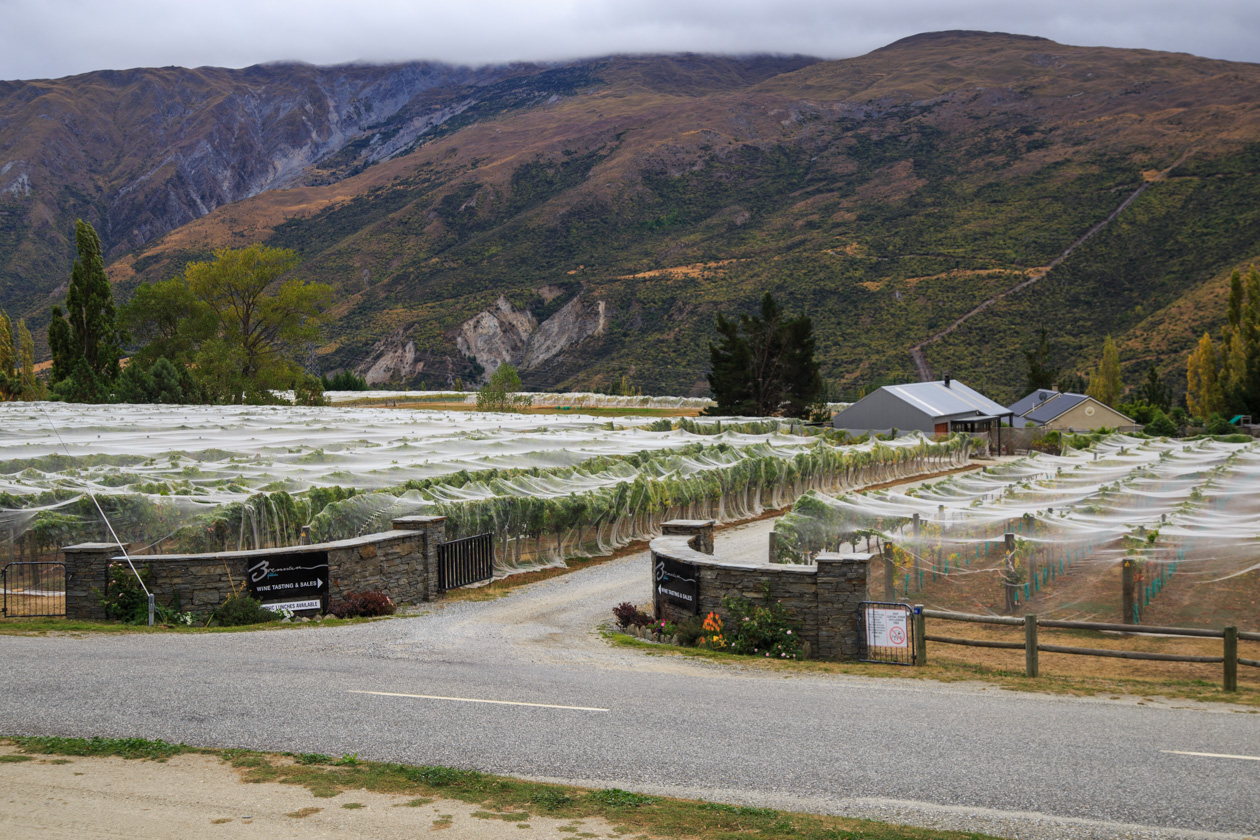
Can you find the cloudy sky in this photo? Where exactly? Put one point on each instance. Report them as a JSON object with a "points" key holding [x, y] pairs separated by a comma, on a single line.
{"points": [[51, 38]]}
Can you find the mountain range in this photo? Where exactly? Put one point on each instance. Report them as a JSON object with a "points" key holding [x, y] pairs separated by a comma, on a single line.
{"points": [[931, 205]]}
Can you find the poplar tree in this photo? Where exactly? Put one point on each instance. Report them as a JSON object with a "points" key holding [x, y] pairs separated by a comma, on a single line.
{"points": [[8, 357], [1204, 396], [1104, 384]]}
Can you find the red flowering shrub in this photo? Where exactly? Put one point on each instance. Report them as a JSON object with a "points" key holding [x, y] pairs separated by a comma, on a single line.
{"points": [[364, 605]]}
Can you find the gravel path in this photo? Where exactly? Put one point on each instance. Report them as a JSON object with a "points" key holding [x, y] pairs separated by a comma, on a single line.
{"points": [[567, 706]]}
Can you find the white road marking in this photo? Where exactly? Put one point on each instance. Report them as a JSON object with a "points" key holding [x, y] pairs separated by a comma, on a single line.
{"points": [[1214, 755], [475, 700]]}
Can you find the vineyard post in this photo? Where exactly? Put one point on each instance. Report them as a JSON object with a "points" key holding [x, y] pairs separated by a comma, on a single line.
{"points": [[918, 580], [1126, 591], [890, 574], [774, 547], [1030, 645], [1009, 572], [1231, 658], [920, 631]]}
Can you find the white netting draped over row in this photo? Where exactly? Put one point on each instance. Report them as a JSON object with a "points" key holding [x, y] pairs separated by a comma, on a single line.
{"points": [[1184, 515], [182, 478]]}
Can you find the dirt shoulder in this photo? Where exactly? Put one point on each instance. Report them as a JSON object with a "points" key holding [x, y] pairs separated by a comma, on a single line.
{"points": [[202, 796]]}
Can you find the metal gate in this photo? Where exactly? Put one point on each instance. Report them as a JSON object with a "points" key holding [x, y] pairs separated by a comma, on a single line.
{"points": [[886, 632], [461, 562], [34, 590]]}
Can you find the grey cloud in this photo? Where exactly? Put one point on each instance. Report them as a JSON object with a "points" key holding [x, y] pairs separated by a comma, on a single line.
{"points": [[39, 38]]}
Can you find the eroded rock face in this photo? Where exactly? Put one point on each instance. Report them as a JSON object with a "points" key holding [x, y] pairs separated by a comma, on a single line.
{"points": [[395, 360], [576, 321], [500, 334], [496, 336], [506, 334]]}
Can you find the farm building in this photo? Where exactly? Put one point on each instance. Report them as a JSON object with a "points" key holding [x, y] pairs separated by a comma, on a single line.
{"points": [[1065, 411], [929, 407]]}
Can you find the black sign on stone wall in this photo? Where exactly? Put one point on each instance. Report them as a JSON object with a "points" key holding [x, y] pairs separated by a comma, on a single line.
{"points": [[678, 583], [297, 582]]}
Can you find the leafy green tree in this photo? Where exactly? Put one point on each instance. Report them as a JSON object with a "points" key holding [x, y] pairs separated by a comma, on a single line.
{"points": [[261, 321], [87, 332], [168, 321], [308, 390], [764, 364], [1104, 384], [500, 392], [1041, 373], [1160, 425]]}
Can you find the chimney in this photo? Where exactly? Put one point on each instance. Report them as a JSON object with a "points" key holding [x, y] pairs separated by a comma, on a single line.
{"points": [[947, 380]]}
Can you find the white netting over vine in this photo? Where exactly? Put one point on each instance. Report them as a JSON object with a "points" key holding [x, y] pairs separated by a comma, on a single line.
{"points": [[187, 478], [1184, 514], [572, 399]]}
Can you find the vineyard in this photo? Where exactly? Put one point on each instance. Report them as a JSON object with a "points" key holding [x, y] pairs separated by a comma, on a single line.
{"points": [[192, 479], [1176, 523]]}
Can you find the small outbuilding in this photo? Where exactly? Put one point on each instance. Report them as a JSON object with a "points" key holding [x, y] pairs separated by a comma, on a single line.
{"points": [[938, 407], [1065, 411]]}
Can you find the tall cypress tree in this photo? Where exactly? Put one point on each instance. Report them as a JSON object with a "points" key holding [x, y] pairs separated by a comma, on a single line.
{"points": [[87, 339]]}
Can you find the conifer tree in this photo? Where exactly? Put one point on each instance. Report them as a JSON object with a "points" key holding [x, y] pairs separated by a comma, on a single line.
{"points": [[86, 338], [764, 365]]}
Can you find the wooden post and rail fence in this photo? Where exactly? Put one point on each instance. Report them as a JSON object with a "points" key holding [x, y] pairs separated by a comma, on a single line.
{"points": [[1230, 636]]}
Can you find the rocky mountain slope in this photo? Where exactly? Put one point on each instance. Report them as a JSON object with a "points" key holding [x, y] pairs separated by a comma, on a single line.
{"points": [[589, 220]]}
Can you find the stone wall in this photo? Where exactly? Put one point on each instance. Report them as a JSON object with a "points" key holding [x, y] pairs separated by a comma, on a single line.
{"points": [[821, 599], [402, 563]]}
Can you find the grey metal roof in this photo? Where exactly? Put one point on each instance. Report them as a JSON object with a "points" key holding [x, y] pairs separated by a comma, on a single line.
{"points": [[1031, 401], [1058, 406], [954, 401]]}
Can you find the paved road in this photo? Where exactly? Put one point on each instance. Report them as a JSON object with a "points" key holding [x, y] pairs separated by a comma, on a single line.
{"points": [[959, 756]]}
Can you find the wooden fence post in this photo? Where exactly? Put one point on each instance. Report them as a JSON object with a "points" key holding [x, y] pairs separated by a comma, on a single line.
{"points": [[1030, 645], [1231, 658], [920, 630]]}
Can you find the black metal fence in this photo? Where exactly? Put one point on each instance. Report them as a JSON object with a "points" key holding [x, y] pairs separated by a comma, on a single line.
{"points": [[886, 631], [34, 590], [466, 561]]}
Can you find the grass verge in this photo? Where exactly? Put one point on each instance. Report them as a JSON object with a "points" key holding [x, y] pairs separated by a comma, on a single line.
{"points": [[507, 798], [1060, 674], [66, 626]]}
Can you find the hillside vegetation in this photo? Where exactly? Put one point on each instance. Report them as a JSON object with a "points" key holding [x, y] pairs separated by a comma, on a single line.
{"points": [[886, 196]]}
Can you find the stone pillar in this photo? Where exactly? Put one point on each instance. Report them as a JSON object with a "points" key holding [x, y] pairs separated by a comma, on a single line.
{"points": [[700, 532], [433, 533], [842, 586], [87, 574]]}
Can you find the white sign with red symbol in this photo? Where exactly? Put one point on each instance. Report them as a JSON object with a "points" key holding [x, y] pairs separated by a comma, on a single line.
{"points": [[886, 628]]}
